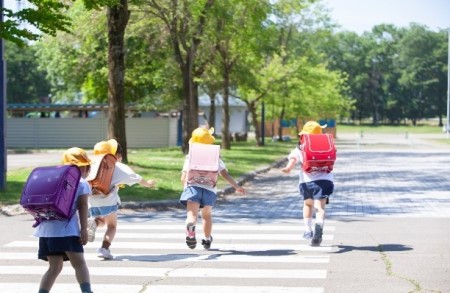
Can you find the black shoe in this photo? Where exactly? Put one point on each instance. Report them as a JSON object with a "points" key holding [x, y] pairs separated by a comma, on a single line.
{"points": [[207, 243], [317, 238], [190, 236]]}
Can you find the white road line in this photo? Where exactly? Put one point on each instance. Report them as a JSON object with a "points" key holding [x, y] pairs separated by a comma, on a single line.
{"points": [[182, 246], [155, 235], [117, 288], [228, 289], [219, 227], [217, 257], [71, 288], [176, 272]]}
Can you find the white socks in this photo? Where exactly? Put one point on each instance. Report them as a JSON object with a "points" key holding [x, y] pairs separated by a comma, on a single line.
{"points": [[308, 224]]}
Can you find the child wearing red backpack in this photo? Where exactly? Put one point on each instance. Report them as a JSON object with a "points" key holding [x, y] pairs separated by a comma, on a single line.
{"points": [[315, 186], [201, 194]]}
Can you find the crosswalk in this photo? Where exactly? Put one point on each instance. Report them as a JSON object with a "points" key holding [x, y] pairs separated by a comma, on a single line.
{"points": [[153, 257]]}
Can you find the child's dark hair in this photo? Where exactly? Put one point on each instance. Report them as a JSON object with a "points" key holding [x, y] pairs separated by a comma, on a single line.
{"points": [[119, 150]]}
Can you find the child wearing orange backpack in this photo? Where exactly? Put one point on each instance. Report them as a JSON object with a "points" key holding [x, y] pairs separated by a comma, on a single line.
{"points": [[103, 209], [202, 196], [314, 186]]}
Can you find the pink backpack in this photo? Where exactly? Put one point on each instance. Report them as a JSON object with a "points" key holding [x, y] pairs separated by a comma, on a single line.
{"points": [[49, 192], [203, 165]]}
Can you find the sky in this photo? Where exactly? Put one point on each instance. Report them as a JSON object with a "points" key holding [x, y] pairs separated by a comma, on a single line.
{"points": [[363, 15]]}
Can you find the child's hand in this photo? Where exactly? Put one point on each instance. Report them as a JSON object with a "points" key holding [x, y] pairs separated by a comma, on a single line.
{"points": [[83, 237], [240, 190], [286, 170], [151, 183]]}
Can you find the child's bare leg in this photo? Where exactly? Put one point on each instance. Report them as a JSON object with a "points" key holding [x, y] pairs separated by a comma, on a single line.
{"points": [[79, 264], [207, 221], [192, 212], [191, 220], [308, 209], [100, 222], [319, 205], [111, 228], [55, 266]]}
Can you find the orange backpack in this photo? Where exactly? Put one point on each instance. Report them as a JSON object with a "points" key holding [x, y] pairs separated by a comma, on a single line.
{"points": [[100, 175]]}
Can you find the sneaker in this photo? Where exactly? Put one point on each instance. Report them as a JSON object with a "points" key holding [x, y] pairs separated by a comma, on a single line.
{"points": [[308, 235], [207, 243], [91, 228], [104, 253], [190, 236], [317, 238]]}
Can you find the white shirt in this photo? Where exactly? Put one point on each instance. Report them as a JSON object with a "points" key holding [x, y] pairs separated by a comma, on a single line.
{"points": [[56, 228], [308, 177]]}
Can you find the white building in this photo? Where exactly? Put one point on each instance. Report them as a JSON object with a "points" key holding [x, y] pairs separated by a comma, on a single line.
{"points": [[238, 113]]}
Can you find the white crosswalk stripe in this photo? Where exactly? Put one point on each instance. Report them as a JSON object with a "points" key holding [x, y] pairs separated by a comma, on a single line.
{"points": [[71, 288], [243, 258]]}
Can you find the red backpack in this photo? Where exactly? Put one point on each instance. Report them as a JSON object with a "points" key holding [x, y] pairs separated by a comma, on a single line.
{"points": [[203, 164], [318, 152]]}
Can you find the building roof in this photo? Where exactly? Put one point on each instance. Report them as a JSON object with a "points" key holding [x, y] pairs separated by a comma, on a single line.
{"points": [[13, 107]]}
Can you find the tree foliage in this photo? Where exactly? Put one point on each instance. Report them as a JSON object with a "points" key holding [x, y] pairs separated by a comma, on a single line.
{"points": [[25, 82]]}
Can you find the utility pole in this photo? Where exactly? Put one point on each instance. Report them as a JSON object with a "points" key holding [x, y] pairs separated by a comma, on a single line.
{"points": [[447, 127], [3, 152]]}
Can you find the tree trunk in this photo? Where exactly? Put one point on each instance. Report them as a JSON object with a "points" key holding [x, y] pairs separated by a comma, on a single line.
{"points": [[226, 144], [212, 108], [252, 109], [117, 22], [280, 124], [190, 102]]}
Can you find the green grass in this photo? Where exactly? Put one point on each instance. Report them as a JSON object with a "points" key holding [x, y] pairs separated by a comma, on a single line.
{"points": [[164, 165]]}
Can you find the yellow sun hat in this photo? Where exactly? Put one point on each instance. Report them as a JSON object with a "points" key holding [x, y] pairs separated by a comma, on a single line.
{"points": [[106, 147], [76, 156], [202, 135], [312, 127]]}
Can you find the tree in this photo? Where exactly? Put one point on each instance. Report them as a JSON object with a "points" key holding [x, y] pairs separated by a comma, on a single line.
{"points": [[185, 22], [422, 58], [231, 30], [118, 16], [26, 83], [48, 17]]}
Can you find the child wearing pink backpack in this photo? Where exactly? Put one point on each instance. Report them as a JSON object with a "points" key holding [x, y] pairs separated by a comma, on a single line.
{"points": [[199, 178]]}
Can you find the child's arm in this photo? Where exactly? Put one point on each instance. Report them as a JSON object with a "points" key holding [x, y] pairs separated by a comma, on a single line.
{"points": [[183, 177], [289, 166], [224, 173], [149, 183], [83, 214]]}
